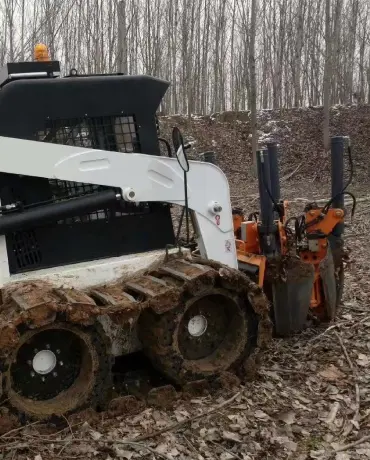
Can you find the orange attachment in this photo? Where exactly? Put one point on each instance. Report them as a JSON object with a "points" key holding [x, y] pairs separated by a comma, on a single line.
{"points": [[257, 261], [41, 53], [250, 240], [249, 252], [283, 238], [324, 226], [286, 207], [327, 223], [248, 249]]}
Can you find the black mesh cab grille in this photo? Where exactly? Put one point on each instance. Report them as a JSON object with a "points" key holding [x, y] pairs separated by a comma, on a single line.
{"points": [[99, 112], [116, 133]]}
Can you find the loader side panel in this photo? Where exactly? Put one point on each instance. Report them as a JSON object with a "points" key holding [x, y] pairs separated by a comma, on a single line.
{"points": [[115, 113]]}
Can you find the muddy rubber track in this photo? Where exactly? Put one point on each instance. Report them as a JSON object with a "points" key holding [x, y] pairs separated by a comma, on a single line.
{"points": [[156, 301]]}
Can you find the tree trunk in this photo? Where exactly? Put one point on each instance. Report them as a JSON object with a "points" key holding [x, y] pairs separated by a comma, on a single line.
{"points": [[327, 76], [122, 37], [253, 81]]}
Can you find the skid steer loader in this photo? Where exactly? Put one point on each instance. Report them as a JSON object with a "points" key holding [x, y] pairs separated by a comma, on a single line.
{"points": [[90, 269]]}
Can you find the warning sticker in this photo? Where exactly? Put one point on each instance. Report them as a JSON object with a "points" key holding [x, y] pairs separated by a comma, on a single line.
{"points": [[228, 246]]}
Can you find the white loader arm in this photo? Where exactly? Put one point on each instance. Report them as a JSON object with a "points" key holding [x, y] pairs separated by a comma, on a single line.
{"points": [[142, 178]]}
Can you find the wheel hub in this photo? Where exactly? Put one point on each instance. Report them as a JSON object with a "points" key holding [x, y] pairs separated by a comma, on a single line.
{"points": [[55, 369], [204, 327], [197, 325], [47, 364], [44, 362]]}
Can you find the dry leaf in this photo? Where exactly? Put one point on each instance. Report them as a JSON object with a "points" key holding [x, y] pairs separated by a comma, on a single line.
{"points": [[272, 374], [181, 415], [362, 360], [287, 417], [162, 448], [174, 452], [212, 434], [332, 374], [95, 435], [333, 413], [261, 415], [226, 456], [286, 442], [122, 453], [363, 452], [317, 453], [84, 449], [342, 456], [230, 436]]}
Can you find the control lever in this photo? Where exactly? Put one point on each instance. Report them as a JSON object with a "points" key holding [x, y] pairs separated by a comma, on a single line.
{"points": [[178, 143]]}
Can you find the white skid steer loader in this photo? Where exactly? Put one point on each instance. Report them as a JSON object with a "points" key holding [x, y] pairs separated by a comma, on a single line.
{"points": [[86, 274]]}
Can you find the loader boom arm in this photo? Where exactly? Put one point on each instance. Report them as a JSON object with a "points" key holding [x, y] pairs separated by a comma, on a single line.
{"points": [[141, 178]]}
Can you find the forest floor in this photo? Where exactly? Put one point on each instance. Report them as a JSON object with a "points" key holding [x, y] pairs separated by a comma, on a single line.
{"points": [[310, 400]]}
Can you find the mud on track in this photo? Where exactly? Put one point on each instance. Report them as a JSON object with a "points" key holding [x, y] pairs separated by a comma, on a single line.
{"points": [[159, 300]]}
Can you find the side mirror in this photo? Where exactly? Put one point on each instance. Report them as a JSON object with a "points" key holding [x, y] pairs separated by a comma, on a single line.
{"points": [[178, 143]]}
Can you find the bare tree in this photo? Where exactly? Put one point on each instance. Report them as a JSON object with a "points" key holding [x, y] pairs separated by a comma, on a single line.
{"points": [[122, 37], [253, 79], [306, 52], [327, 75]]}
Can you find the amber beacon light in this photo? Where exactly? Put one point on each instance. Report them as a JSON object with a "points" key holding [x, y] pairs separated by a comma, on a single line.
{"points": [[41, 53]]}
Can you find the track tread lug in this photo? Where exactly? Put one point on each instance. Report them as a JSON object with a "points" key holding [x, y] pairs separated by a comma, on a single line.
{"points": [[105, 298], [184, 270], [26, 299], [73, 296], [38, 308], [149, 286]]}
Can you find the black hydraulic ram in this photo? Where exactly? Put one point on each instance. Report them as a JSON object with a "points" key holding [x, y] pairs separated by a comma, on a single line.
{"points": [[337, 178], [267, 226], [19, 221], [272, 149]]}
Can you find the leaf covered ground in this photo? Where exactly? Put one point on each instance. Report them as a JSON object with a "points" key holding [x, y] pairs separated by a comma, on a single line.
{"points": [[310, 400]]}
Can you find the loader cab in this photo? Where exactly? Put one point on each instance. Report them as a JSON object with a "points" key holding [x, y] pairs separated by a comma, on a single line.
{"points": [[109, 112]]}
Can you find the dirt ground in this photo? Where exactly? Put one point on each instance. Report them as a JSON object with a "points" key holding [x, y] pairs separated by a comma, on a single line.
{"points": [[310, 400]]}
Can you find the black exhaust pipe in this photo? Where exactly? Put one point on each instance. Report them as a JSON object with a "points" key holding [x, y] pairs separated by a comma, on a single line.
{"points": [[50, 213]]}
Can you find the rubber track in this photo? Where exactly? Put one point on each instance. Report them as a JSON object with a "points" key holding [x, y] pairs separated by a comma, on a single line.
{"points": [[32, 305]]}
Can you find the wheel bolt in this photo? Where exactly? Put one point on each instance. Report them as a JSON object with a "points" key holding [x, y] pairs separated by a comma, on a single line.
{"points": [[32, 374], [43, 379], [35, 351], [61, 363], [29, 362], [58, 352], [55, 374], [48, 346]]}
